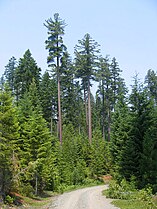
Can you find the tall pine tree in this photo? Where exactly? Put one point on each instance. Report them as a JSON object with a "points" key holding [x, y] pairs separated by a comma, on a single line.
{"points": [[56, 49], [86, 61]]}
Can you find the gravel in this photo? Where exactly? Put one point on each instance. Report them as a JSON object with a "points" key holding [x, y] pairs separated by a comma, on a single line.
{"points": [[88, 198]]}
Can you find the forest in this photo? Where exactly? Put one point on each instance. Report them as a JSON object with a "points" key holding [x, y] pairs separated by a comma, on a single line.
{"points": [[55, 133]]}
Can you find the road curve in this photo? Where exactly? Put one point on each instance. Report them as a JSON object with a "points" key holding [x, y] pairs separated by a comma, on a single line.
{"points": [[88, 198]]}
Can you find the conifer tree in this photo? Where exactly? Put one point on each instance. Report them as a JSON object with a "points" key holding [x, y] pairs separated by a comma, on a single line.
{"points": [[71, 94], [151, 82], [100, 157], [56, 49], [2, 82], [111, 89], [26, 71], [86, 58], [139, 124], [35, 138], [120, 134], [68, 89], [105, 95], [148, 167], [48, 98], [9, 73], [8, 141], [115, 75]]}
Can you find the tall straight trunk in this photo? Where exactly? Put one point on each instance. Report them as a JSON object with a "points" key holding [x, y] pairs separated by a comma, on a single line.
{"points": [[103, 110], [109, 125], [79, 129], [59, 104], [89, 116], [2, 182], [86, 109], [108, 114], [36, 184], [59, 114], [51, 125]]}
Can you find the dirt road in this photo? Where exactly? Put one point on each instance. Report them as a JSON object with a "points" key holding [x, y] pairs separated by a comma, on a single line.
{"points": [[88, 198]]}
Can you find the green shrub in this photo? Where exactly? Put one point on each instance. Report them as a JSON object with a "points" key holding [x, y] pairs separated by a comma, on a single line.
{"points": [[144, 194], [124, 190], [27, 190], [9, 200]]}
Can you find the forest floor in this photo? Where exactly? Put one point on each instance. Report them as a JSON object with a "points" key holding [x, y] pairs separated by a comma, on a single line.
{"points": [[87, 198]]}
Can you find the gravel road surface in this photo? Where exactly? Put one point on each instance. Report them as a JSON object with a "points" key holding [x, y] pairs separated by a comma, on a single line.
{"points": [[88, 198]]}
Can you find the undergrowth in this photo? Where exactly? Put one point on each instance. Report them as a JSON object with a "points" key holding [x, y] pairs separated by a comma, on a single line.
{"points": [[15, 200], [128, 197], [87, 183]]}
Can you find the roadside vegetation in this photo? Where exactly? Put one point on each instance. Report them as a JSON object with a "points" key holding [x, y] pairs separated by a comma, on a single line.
{"points": [[15, 200], [128, 197]]}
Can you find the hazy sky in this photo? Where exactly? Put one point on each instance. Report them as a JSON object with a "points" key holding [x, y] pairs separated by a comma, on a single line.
{"points": [[125, 29]]}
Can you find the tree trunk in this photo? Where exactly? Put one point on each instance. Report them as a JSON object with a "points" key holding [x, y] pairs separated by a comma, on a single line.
{"points": [[79, 129], [36, 184], [51, 125], [86, 110], [109, 125], [59, 106], [59, 99], [108, 113], [1, 185], [89, 116], [103, 110]]}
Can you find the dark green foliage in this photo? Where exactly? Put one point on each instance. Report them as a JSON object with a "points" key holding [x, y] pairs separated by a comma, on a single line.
{"points": [[148, 165], [100, 156], [151, 81], [76, 160], [135, 125], [26, 71], [50, 172], [119, 138], [70, 91], [8, 142], [54, 43], [86, 59], [9, 73], [140, 123], [72, 164], [104, 95], [2, 82], [86, 63], [133, 144], [35, 139], [117, 84], [48, 97], [111, 90]]}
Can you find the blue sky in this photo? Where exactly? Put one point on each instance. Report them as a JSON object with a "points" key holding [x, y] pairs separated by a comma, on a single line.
{"points": [[125, 29]]}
